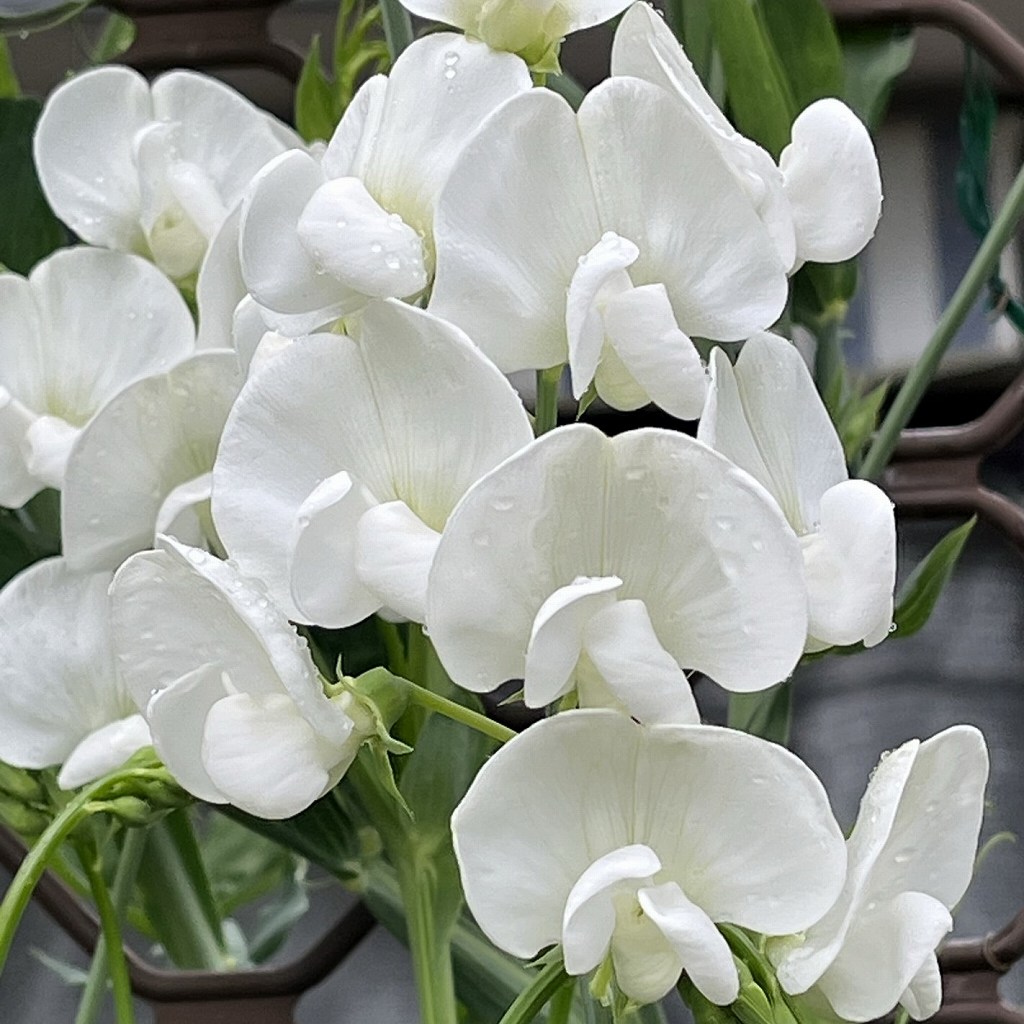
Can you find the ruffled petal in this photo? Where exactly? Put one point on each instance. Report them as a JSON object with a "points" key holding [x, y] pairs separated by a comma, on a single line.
{"points": [[394, 552], [45, 449], [620, 641], [766, 416], [556, 637], [155, 436], [923, 996], [84, 155], [511, 226], [832, 182], [104, 750], [725, 292], [641, 327]]}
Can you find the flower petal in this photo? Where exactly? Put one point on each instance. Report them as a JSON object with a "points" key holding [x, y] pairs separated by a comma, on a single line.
{"points": [[45, 449], [179, 515], [55, 694], [832, 181], [276, 267], [510, 227], [359, 243], [394, 552], [700, 946], [104, 750], [556, 637], [766, 416], [923, 995], [642, 329], [84, 155], [220, 287], [354, 137], [154, 437], [625, 650], [850, 563], [263, 756], [726, 292], [589, 918], [17, 484]]}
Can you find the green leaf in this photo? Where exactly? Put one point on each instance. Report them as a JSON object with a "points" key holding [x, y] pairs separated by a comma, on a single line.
{"points": [[116, 38], [9, 87], [28, 229], [316, 115], [918, 595], [874, 59], [696, 34], [762, 103], [766, 714], [821, 291], [276, 919], [858, 420], [804, 37]]}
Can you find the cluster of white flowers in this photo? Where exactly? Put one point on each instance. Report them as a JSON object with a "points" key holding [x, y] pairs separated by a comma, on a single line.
{"points": [[338, 440]]}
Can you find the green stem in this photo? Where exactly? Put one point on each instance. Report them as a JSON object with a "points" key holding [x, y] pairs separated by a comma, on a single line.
{"points": [[457, 713], [112, 941], [546, 410], [829, 363], [120, 895], [959, 308], [562, 1003], [431, 952], [531, 1001], [397, 27]]}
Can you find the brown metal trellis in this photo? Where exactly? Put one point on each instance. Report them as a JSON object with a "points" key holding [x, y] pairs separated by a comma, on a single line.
{"points": [[936, 472]]}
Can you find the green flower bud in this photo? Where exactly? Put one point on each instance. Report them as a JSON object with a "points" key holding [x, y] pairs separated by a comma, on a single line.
{"points": [[29, 822], [22, 785]]}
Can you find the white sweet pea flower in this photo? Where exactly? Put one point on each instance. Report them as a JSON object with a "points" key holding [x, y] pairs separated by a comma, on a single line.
{"points": [[531, 28], [633, 842], [911, 857], [612, 565], [232, 696], [319, 239], [343, 458], [151, 169], [611, 256], [143, 466], [766, 415], [63, 699], [821, 202], [82, 326]]}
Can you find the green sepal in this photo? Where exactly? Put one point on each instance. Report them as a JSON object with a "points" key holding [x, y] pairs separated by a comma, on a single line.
{"points": [[22, 785], [378, 699], [375, 755], [28, 821], [586, 400], [544, 61], [858, 420], [752, 1006]]}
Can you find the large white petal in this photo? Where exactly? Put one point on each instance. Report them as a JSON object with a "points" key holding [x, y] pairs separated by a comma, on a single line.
{"points": [[155, 436], [760, 847], [394, 552], [263, 756], [698, 541], [589, 917], [766, 416], [22, 349], [662, 183], [17, 484], [355, 136], [438, 93], [104, 750], [850, 563], [642, 675], [84, 154], [412, 411], [276, 267], [556, 637], [923, 996], [58, 679], [832, 181], [642, 329], [511, 226], [220, 287], [702, 950]]}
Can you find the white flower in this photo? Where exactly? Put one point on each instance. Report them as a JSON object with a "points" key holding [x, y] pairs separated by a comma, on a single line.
{"points": [[822, 202], [636, 238], [532, 28], [342, 460], [319, 239], [64, 702], [83, 325], [911, 857], [236, 708], [765, 415], [154, 169], [611, 565], [143, 466], [618, 839]]}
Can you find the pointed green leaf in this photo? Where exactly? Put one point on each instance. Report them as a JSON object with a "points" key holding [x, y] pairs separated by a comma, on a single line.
{"points": [[859, 420], [918, 595], [316, 115], [759, 94], [804, 37], [28, 229], [874, 59], [9, 88]]}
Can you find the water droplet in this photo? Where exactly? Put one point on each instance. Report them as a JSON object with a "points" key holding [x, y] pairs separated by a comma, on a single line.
{"points": [[196, 557], [503, 504], [902, 857], [635, 474], [702, 495], [393, 263], [724, 524], [341, 224], [450, 73], [376, 248], [94, 521], [482, 539], [132, 315], [99, 179], [757, 544], [150, 314], [451, 58], [892, 627]]}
